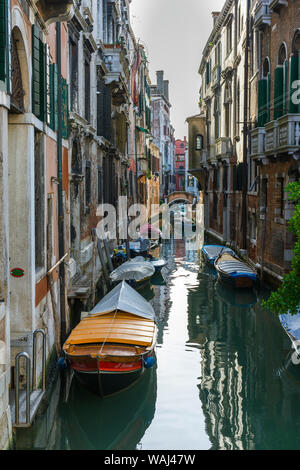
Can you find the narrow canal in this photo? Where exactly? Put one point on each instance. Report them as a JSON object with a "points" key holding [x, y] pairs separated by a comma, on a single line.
{"points": [[223, 379]]}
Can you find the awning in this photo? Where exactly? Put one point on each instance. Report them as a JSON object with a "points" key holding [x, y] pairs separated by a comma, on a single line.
{"points": [[142, 130]]}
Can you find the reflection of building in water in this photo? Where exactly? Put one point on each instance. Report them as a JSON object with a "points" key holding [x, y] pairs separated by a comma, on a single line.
{"points": [[247, 404]]}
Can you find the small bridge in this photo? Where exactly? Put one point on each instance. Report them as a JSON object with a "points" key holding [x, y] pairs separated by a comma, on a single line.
{"points": [[180, 196]]}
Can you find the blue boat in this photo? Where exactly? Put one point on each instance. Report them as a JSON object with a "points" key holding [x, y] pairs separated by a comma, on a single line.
{"points": [[233, 271], [212, 252]]}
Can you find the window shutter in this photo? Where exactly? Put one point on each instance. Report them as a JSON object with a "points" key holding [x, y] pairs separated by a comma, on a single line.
{"points": [[39, 95], [294, 75], [5, 43], [65, 109], [278, 92], [285, 75]]}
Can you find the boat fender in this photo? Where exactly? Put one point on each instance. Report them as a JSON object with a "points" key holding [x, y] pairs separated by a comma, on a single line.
{"points": [[62, 363], [149, 362]]}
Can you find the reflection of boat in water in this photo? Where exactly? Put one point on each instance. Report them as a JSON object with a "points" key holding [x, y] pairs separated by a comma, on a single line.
{"points": [[117, 423], [291, 367], [237, 297], [111, 348]]}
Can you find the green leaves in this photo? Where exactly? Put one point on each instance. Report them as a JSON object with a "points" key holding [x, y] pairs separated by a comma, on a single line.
{"points": [[287, 298]]}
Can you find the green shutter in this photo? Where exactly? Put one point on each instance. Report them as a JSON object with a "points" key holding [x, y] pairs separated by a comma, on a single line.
{"points": [[285, 81], [2, 41], [39, 91], [294, 75], [36, 101], [64, 108], [5, 43], [262, 102], [53, 96], [278, 92]]}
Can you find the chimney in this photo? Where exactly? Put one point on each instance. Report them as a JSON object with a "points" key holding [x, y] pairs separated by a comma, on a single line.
{"points": [[160, 81], [215, 15], [166, 89]]}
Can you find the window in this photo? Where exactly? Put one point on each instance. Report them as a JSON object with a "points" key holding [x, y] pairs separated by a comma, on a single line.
{"points": [[281, 200], [99, 199], [38, 75], [264, 95], [217, 114], [73, 59], [4, 43], [208, 72], [227, 104], [87, 184], [39, 200], [199, 142], [229, 37], [264, 194], [87, 92]]}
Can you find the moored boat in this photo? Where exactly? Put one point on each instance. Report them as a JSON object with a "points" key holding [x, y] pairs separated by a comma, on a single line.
{"points": [[111, 348], [235, 272], [211, 252], [136, 272]]}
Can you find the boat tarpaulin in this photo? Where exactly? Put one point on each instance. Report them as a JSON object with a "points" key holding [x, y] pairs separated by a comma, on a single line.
{"points": [[136, 270], [291, 323], [126, 299]]}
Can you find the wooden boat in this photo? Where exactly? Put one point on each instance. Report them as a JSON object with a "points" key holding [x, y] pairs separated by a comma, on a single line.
{"points": [[211, 252], [111, 348], [234, 271]]}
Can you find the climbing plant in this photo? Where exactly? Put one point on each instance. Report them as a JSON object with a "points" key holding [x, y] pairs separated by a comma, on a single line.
{"points": [[286, 299]]}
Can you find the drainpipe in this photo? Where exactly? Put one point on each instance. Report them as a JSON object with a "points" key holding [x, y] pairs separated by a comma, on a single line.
{"points": [[60, 189], [245, 133]]}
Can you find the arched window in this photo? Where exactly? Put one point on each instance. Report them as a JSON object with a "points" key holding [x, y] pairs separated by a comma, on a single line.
{"points": [[227, 104], [282, 54], [280, 83], [264, 94], [17, 92]]}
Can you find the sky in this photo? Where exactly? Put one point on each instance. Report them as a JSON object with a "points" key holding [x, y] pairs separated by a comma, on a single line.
{"points": [[174, 33]]}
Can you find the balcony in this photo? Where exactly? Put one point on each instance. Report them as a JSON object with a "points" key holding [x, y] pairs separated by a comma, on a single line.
{"points": [[223, 148], [276, 5], [262, 14], [289, 133], [258, 136], [117, 75], [55, 10], [271, 141]]}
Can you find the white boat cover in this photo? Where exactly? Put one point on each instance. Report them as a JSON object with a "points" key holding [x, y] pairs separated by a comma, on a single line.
{"points": [[291, 323], [126, 299], [133, 270]]}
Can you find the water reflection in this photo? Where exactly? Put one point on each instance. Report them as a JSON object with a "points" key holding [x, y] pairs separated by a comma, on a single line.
{"points": [[116, 423], [224, 376]]}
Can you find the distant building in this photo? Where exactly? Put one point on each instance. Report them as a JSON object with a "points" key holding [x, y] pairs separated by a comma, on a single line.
{"points": [[163, 132]]}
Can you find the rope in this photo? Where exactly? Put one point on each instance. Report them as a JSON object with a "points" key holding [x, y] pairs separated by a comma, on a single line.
{"points": [[108, 333]]}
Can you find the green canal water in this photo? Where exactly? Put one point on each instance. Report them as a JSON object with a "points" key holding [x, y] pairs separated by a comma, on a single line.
{"points": [[223, 378]]}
